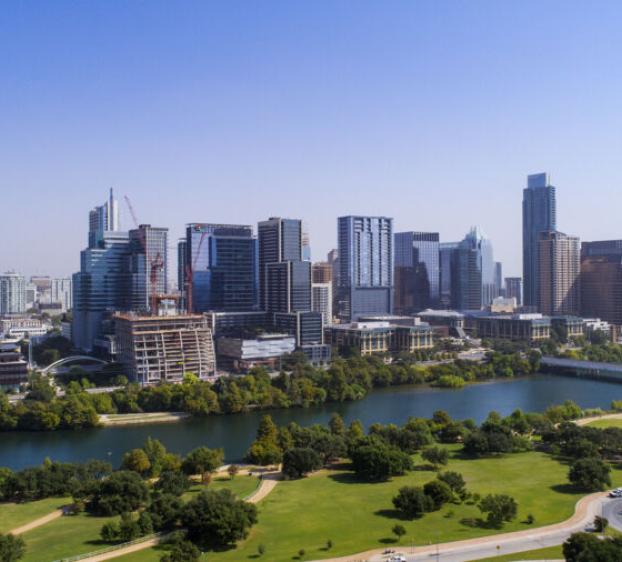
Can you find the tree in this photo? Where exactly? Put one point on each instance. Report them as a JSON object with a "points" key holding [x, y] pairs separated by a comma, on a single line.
{"points": [[265, 449], [217, 519], [337, 425], [175, 483], [299, 461], [136, 460], [202, 460], [412, 502], [590, 474], [584, 547], [165, 511], [456, 482], [123, 492], [399, 531], [233, 469], [379, 462], [435, 456], [182, 551], [110, 532], [439, 492], [12, 548], [600, 524], [500, 508]]}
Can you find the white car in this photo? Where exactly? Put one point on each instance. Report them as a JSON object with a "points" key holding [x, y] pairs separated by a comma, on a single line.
{"points": [[397, 558]]}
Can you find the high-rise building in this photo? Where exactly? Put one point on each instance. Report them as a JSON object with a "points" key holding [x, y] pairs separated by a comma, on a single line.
{"points": [[104, 218], [288, 286], [61, 292], [499, 288], [322, 294], [12, 293], [417, 271], [223, 260], [333, 259], [365, 266], [539, 215], [559, 268], [514, 289], [148, 265], [601, 280], [473, 284], [182, 250], [279, 240], [306, 243], [322, 272], [446, 253]]}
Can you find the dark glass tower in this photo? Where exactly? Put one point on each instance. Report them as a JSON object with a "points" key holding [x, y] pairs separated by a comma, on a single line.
{"points": [[539, 215]]}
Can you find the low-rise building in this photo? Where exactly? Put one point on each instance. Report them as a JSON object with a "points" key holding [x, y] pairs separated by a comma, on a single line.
{"points": [[13, 366], [23, 327], [528, 327], [445, 323], [155, 349], [568, 326], [380, 337], [240, 354]]}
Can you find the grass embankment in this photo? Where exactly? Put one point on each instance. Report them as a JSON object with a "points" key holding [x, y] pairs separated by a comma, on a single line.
{"points": [[72, 535], [602, 424], [550, 553], [357, 516], [13, 515]]}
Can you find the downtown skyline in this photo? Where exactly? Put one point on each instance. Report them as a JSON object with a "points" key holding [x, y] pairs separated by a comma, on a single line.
{"points": [[218, 123]]}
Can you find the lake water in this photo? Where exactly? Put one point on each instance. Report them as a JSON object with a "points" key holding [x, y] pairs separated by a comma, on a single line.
{"points": [[235, 432]]}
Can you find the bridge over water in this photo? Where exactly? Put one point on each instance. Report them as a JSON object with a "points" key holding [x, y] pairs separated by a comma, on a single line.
{"points": [[611, 372]]}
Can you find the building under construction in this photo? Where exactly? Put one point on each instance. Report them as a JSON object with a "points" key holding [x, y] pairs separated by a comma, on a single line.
{"points": [[154, 349]]}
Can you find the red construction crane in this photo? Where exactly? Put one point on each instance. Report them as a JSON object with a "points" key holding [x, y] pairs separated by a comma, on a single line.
{"points": [[155, 265], [190, 267]]}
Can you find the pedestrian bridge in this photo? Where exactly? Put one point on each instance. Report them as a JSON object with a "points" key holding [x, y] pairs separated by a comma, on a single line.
{"points": [[588, 369], [74, 360]]}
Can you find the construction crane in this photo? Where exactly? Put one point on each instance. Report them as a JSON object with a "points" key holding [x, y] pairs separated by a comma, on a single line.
{"points": [[155, 265], [190, 267]]}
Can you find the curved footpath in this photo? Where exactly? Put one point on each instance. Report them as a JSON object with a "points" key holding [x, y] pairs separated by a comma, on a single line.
{"points": [[506, 543], [585, 421], [37, 522], [268, 481]]}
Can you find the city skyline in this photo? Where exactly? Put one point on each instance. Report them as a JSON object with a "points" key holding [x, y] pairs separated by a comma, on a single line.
{"points": [[218, 124]]}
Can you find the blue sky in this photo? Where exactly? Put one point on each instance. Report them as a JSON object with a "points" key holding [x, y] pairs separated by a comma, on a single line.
{"points": [[430, 112]]}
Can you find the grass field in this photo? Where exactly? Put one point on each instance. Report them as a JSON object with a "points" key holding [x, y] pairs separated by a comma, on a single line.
{"points": [[13, 515], [356, 516], [551, 553], [241, 486], [606, 423]]}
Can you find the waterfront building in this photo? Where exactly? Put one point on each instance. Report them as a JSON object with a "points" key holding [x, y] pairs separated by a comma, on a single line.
{"points": [[568, 326], [559, 268], [526, 327], [601, 280], [417, 271], [539, 215], [12, 293], [155, 349], [13, 366], [306, 327], [365, 266], [223, 262], [242, 354], [514, 289]]}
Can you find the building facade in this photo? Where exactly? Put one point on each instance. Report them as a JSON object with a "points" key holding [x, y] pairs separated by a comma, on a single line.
{"points": [[12, 293], [288, 286], [155, 349], [559, 269], [417, 271], [601, 280], [104, 218], [539, 215], [527, 327], [365, 266], [514, 289], [13, 367], [322, 294]]}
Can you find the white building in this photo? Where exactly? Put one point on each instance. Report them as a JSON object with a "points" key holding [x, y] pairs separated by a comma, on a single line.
{"points": [[12, 293], [61, 293], [322, 301]]}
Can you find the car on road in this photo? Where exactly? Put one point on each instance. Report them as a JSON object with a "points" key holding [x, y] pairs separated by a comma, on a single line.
{"points": [[398, 558], [617, 493]]}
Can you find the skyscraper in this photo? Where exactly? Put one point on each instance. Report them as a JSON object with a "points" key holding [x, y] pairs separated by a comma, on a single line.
{"points": [[182, 252], [365, 266], [601, 280], [12, 293], [104, 218], [446, 253], [223, 260], [539, 215], [514, 289], [288, 286], [279, 240], [559, 267], [417, 271]]}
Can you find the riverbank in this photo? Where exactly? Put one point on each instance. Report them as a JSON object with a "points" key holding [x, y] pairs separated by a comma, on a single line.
{"points": [[109, 420]]}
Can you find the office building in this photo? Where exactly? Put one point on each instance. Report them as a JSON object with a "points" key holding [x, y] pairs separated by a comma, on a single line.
{"points": [[526, 327], [306, 327], [223, 262], [601, 280], [61, 292], [365, 246], [322, 296], [333, 259], [446, 256], [242, 354], [539, 215], [104, 218], [499, 288], [155, 349], [559, 269], [417, 271], [182, 252], [148, 266], [279, 240], [288, 285], [12, 293], [13, 366], [514, 289], [306, 242], [322, 272], [238, 323]]}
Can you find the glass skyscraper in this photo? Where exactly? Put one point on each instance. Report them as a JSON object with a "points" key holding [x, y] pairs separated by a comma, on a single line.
{"points": [[223, 259], [417, 271], [365, 266], [539, 215]]}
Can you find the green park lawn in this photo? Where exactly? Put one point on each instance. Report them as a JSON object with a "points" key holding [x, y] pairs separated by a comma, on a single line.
{"points": [[550, 553], [601, 424], [13, 515], [358, 516], [241, 486]]}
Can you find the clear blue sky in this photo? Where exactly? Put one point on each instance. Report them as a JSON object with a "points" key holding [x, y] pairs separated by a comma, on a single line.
{"points": [[430, 112]]}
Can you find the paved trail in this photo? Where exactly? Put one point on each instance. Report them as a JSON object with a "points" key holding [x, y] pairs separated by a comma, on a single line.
{"points": [[585, 421], [37, 522]]}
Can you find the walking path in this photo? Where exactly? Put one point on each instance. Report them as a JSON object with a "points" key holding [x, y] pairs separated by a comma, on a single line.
{"points": [[37, 522], [585, 421], [268, 482], [506, 543]]}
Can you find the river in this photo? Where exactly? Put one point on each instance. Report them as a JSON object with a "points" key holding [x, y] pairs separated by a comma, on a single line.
{"points": [[235, 432]]}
